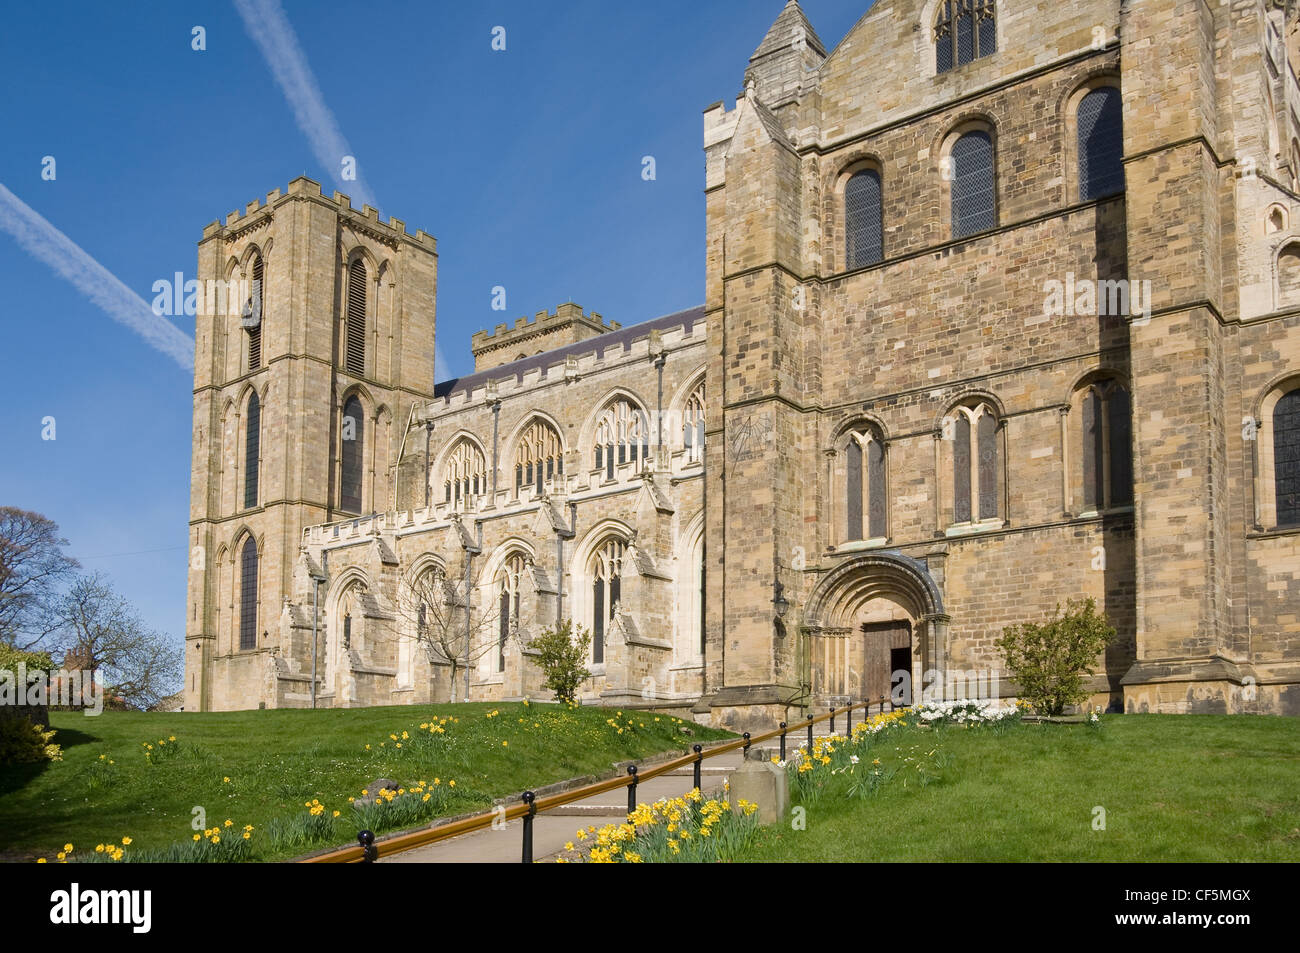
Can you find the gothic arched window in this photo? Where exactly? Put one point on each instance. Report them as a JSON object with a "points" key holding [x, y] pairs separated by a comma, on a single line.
{"points": [[252, 449], [510, 579], [1101, 143], [965, 30], [356, 320], [1107, 455], [973, 193], [464, 473], [248, 595], [539, 457], [622, 433], [257, 312], [974, 463], [690, 645], [865, 508], [606, 570], [1288, 276], [1286, 458], [693, 425], [352, 455], [863, 225]]}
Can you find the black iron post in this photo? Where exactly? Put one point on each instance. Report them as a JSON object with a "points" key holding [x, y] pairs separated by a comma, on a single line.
{"points": [[832, 719], [631, 789], [369, 852], [744, 754], [530, 799], [848, 713], [810, 718], [782, 741], [699, 758]]}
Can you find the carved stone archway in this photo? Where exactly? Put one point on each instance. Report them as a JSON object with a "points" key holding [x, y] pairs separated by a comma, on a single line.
{"points": [[835, 608]]}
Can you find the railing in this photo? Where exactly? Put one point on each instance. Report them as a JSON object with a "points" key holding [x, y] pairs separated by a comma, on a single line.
{"points": [[369, 850]]}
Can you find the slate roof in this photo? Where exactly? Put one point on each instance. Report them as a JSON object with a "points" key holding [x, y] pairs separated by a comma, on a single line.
{"points": [[620, 340]]}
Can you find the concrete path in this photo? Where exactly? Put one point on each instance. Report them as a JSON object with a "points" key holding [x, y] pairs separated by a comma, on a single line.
{"points": [[552, 829]]}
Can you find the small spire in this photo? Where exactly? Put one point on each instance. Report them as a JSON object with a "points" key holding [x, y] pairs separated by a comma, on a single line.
{"points": [[789, 28]]}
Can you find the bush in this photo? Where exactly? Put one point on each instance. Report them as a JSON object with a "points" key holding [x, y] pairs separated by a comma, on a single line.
{"points": [[1050, 659], [10, 657], [21, 742], [562, 657]]}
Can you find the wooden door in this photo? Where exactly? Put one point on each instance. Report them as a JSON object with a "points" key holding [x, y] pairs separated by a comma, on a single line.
{"points": [[885, 647]]}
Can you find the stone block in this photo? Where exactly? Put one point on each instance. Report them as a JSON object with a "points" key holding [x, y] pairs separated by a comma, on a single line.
{"points": [[764, 784]]}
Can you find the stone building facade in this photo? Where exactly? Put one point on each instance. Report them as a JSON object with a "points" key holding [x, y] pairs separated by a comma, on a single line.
{"points": [[1002, 308]]}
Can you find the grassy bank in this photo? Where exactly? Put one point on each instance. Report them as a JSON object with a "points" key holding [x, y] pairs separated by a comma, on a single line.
{"points": [[257, 766], [1172, 788]]}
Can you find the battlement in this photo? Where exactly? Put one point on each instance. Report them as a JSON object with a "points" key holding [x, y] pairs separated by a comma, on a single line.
{"points": [[305, 188], [719, 123], [546, 331]]}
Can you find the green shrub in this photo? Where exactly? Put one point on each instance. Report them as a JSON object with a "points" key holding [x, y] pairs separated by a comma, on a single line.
{"points": [[561, 657], [10, 657], [21, 742], [1051, 659]]}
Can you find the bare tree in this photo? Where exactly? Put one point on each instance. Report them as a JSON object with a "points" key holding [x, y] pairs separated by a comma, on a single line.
{"points": [[432, 611], [33, 568], [100, 631]]}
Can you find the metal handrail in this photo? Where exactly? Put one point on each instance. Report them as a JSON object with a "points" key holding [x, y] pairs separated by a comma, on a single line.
{"points": [[369, 849]]}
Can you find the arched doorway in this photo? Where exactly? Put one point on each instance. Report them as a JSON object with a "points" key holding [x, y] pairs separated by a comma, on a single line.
{"points": [[873, 628]]}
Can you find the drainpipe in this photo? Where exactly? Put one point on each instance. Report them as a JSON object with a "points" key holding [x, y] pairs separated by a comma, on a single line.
{"points": [[315, 620], [660, 361], [496, 448], [560, 536], [428, 474], [470, 552]]}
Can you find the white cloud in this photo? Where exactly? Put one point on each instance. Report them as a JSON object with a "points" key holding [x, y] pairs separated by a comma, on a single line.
{"points": [[46, 243], [270, 29]]}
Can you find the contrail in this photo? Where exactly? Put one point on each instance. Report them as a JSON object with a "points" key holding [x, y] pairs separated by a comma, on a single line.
{"points": [[270, 29], [45, 242]]}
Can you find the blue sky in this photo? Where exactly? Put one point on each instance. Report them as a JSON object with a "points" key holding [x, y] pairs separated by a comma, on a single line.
{"points": [[524, 164]]}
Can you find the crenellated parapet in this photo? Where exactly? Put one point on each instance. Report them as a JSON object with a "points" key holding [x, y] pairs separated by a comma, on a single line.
{"points": [[546, 331], [366, 219]]}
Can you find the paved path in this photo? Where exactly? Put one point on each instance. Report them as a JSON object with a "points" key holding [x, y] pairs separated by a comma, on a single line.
{"points": [[552, 829]]}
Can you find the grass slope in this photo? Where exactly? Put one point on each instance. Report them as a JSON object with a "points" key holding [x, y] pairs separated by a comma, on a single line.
{"points": [[278, 760], [1174, 788]]}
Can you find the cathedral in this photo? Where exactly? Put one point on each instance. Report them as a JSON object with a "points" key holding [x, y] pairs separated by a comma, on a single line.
{"points": [[1002, 308]]}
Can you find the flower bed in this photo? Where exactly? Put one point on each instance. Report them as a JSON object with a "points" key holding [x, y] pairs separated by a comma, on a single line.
{"points": [[689, 828]]}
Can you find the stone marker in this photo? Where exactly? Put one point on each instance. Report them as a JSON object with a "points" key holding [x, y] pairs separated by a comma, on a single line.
{"points": [[374, 787], [764, 784]]}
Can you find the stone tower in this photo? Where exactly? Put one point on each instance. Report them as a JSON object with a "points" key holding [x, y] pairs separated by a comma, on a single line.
{"points": [[313, 345], [759, 320]]}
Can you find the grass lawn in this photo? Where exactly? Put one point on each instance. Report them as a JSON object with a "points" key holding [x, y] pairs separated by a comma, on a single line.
{"points": [[276, 761], [1174, 788]]}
